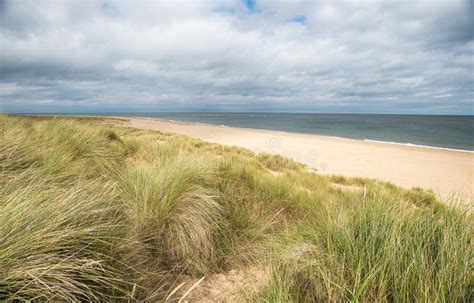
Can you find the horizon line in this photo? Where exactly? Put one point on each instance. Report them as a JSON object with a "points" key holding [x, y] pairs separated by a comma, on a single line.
{"points": [[223, 112]]}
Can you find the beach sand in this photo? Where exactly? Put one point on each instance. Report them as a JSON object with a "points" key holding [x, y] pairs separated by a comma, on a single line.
{"points": [[448, 173]]}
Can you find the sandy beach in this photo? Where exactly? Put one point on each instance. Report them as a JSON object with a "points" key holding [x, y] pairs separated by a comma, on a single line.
{"points": [[448, 173]]}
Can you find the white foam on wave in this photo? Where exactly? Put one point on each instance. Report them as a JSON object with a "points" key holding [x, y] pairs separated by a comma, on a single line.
{"points": [[200, 123], [419, 145]]}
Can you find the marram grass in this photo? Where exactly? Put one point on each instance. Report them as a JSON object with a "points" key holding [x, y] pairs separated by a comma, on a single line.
{"points": [[171, 212], [95, 212], [375, 251]]}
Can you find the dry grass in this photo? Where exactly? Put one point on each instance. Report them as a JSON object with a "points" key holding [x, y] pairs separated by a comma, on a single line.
{"points": [[95, 212]]}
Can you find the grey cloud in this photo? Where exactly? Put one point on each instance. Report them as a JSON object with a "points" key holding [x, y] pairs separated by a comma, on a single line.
{"points": [[409, 56]]}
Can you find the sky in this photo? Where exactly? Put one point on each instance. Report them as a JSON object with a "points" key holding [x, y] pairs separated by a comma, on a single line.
{"points": [[413, 57]]}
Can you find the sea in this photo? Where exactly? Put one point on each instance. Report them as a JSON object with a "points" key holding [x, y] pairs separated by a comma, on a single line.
{"points": [[435, 131]]}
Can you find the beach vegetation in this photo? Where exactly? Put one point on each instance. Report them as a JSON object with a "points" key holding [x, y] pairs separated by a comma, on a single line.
{"points": [[94, 211]]}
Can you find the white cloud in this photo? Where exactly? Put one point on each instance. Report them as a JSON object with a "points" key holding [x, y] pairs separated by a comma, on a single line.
{"points": [[96, 55], [45, 101]]}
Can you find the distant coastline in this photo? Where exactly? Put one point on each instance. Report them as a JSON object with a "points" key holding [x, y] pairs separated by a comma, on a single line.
{"points": [[338, 137], [436, 132]]}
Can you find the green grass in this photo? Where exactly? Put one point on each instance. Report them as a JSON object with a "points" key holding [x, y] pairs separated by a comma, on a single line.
{"points": [[96, 212], [171, 211], [377, 251]]}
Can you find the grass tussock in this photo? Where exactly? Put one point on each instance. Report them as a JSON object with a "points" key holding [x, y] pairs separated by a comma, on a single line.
{"points": [[95, 212], [171, 211]]}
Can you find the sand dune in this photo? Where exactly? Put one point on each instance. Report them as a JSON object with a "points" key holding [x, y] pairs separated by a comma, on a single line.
{"points": [[447, 173]]}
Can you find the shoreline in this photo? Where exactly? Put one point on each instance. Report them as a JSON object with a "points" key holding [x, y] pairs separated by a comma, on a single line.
{"points": [[264, 129], [297, 133], [448, 173]]}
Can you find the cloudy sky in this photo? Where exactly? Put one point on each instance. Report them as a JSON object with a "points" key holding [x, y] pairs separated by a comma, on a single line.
{"points": [[411, 56]]}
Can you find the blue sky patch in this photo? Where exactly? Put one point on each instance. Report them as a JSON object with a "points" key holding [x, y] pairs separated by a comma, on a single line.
{"points": [[299, 19], [251, 6]]}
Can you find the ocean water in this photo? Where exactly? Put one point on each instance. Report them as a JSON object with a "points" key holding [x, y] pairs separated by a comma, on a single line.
{"points": [[452, 132]]}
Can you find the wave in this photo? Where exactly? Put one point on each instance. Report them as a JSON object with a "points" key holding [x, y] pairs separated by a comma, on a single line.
{"points": [[201, 123], [419, 145]]}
